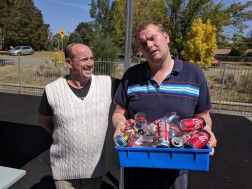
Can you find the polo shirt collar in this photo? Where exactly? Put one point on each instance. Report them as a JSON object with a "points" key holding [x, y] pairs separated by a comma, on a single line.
{"points": [[177, 67]]}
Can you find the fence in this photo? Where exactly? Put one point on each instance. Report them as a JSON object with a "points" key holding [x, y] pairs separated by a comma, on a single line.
{"points": [[230, 85]]}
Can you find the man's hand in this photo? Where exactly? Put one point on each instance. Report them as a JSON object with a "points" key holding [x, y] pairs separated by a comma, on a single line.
{"points": [[119, 128], [212, 142], [119, 120]]}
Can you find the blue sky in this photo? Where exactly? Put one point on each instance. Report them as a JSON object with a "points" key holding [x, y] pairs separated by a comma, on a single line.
{"points": [[67, 14]]}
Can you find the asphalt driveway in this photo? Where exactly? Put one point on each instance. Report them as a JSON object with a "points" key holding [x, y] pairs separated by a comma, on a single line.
{"points": [[25, 145]]}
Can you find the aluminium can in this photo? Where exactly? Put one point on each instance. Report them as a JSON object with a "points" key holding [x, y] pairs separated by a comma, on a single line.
{"points": [[177, 142], [199, 139], [123, 138], [191, 124], [163, 135]]}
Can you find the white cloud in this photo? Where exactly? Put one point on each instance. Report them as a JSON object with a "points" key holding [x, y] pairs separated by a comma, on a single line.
{"points": [[71, 4]]}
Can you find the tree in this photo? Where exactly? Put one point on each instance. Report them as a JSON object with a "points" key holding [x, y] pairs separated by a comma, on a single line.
{"points": [[22, 24], [100, 11], [248, 39], [176, 16], [83, 33], [103, 47], [143, 10], [182, 13], [238, 46], [118, 27], [201, 45], [102, 41]]}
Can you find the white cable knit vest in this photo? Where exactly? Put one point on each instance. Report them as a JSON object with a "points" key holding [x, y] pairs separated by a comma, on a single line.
{"points": [[79, 129]]}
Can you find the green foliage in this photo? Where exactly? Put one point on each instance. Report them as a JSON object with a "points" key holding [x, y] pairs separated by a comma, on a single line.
{"points": [[182, 13], [106, 38], [100, 10], [201, 45], [249, 54], [236, 51], [248, 40], [103, 47], [142, 10], [238, 47], [83, 33], [22, 24], [118, 27]]}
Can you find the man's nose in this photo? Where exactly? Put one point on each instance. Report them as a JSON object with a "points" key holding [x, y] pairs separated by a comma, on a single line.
{"points": [[149, 44], [90, 62]]}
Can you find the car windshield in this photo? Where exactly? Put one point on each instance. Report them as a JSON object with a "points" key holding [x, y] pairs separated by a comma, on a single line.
{"points": [[16, 48]]}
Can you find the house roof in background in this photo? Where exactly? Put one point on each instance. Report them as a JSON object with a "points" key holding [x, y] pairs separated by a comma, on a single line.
{"points": [[227, 50]]}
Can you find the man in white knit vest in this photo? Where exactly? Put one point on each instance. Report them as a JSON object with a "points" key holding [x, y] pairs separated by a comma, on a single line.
{"points": [[75, 110]]}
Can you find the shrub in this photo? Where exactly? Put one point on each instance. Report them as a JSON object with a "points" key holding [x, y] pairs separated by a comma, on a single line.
{"points": [[245, 84], [58, 57], [249, 54], [230, 81]]}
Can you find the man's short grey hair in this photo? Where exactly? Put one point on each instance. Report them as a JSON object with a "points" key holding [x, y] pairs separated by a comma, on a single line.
{"points": [[68, 50]]}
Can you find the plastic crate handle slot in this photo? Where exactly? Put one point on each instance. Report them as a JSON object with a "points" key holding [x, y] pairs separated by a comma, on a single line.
{"points": [[194, 156], [149, 154], [171, 154]]}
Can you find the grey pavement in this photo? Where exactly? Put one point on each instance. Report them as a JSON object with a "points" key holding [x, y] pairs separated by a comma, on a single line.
{"points": [[24, 144]]}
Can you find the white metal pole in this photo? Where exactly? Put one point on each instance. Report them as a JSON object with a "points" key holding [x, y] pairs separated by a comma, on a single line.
{"points": [[121, 181], [127, 61], [127, 53]]}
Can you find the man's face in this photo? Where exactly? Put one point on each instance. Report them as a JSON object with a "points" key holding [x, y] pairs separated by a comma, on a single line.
{"points": [[153, 44], [82, 63]]}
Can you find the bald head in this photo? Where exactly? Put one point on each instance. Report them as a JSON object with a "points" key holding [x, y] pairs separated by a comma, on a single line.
{"points": [[69, 50]]}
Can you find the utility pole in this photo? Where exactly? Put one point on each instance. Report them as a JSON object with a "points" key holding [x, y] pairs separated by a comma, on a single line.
{"points": [[127, 53]]}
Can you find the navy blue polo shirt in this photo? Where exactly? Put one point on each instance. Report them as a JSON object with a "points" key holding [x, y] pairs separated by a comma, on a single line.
{"points": [[184, 91]]}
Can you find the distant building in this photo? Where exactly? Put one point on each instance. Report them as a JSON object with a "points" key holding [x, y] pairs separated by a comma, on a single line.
{"points": [[223, 52], [226, 51]]}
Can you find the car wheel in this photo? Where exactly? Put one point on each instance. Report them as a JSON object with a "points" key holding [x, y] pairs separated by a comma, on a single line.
{"points": [[19, 54]]}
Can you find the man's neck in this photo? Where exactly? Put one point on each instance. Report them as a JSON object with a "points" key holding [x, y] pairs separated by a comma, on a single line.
{"points": [[165, 69], [76, 83]]}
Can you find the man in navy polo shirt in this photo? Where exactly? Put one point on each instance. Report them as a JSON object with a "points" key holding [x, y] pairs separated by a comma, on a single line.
{"points": [[157, 87]]}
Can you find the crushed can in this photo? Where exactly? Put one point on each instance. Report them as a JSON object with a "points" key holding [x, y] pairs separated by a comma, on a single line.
{"points": [[199, 139]]}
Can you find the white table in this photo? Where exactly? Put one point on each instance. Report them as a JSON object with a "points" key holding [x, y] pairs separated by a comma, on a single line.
{"points": [[8, 176]]}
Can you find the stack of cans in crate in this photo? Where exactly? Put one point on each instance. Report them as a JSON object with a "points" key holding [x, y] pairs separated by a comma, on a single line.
{"points": [[168, 131]]}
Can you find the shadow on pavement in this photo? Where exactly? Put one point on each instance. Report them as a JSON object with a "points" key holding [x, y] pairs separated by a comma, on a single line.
{"points": [[48, 183], [45, 183], [20, 143]]}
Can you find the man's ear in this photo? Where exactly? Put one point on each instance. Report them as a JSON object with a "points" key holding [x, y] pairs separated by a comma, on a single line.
{"points": [[167, 37], [69, 62]]}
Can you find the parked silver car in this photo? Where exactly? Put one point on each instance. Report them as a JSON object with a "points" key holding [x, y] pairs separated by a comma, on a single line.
{"points": [[21, 50]]}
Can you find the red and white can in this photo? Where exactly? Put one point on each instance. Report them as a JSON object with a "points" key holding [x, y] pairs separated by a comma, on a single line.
{"points": [[130, 122], [187, 136], [191, 124], [199, 139], [152, 127], [163, 134]]}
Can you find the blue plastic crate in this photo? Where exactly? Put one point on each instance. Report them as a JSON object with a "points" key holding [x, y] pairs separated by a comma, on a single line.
{"points": [[170, 158]]}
